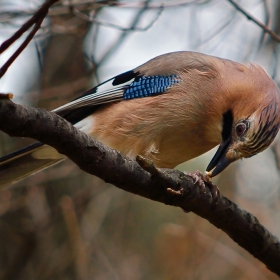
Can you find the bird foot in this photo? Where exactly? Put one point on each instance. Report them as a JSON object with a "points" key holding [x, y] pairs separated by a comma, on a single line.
{"points": [[198, 179], [203, 181]]}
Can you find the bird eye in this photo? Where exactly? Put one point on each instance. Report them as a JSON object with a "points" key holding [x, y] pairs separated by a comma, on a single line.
{"points": [[240, 129]]}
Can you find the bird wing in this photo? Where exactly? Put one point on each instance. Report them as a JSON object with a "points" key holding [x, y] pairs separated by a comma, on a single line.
{"points": [[38, 156], [152, 78], [125, 86]]}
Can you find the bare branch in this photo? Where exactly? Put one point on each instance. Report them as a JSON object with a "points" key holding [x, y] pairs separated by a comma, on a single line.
{"points": [[36, 19], [171, 187], [252, 18], [85, 17]]}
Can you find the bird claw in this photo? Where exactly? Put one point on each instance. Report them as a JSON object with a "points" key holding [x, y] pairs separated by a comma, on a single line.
{"points": [[215, 192], [171, 191], [203, 181], [198, 179]]}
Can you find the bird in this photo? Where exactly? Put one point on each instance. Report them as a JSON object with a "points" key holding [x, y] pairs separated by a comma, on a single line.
{"points": [[170, 109]]}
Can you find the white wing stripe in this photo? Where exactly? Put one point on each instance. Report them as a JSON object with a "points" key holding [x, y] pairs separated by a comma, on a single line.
{"points": [[106, 95], [92, 99]]}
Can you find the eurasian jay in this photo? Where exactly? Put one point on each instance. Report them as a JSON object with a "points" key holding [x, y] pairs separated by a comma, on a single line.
{"points": [[171, 109]]}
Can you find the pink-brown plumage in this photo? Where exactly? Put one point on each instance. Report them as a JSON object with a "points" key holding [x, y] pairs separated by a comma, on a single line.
{"points": [[211, 101], [186, 121]]}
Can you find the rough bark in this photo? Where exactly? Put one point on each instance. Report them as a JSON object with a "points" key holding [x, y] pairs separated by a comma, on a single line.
{"points": [[171, 187]]}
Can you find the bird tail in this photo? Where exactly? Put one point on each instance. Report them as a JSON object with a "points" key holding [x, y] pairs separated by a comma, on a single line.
{"points": [[35, 157], [27, 161]]}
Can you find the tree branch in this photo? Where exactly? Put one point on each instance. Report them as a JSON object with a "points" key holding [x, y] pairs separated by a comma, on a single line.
{"points": [[255, 20], [35, 20], [171, 187]]}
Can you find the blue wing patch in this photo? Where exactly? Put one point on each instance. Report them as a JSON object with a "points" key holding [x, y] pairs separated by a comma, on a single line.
{"points": [[150, 85], [126, 86]]}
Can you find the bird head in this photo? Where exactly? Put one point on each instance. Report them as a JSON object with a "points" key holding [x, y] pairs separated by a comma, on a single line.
{"points": [[247, 129]]}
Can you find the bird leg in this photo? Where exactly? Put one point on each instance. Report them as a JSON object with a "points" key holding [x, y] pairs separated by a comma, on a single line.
{"points": [[203, 180]]}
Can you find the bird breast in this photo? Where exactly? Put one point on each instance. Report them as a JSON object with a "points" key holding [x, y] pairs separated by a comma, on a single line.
{"points": [[166, 128]]}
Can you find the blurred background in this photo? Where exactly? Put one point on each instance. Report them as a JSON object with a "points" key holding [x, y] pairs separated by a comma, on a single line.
{"points": [[62, 223]]}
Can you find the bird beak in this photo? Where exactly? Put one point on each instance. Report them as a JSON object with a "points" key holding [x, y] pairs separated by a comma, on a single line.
{"points": [[220, 161]]}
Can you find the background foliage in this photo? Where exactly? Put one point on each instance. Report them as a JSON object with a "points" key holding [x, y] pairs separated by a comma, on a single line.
{"points": [[64, 224]]}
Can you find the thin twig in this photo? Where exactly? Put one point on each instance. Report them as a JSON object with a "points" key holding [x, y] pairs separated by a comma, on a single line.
{"points": [[267, 19], [116, 44], [38, 15], [252, 18], [81, 15], [66, 8], [36, 19], [9, 62]]}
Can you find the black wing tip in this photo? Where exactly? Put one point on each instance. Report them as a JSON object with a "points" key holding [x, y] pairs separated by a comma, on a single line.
{"points": [[78, 114], [125, 77]]}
